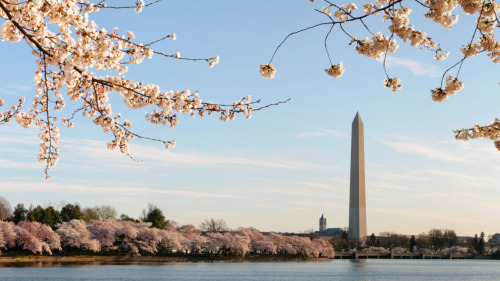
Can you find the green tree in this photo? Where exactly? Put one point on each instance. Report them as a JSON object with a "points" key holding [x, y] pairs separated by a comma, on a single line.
{"points": [[48, 216], [372, 239], [71, 212], [19, 213], [423, 241], [344, 233], [154, 215], [436, 238], [475, 242], [124, 217], [35, 214], [450, 238], [480, 244], [413, 243], [340, 244], [398, 240]]}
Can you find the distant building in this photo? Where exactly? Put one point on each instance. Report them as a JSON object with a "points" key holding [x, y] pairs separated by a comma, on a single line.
{"points": [[494, 239], [327, 231], [322, 223], [331, 231]]}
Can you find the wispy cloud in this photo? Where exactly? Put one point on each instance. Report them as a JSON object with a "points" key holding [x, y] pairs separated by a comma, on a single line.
{"points": [[16, 88], [388, 211], [425, 150], [91, 189], [416, 67], [321, 133], [287, 192], [320, 204], [281, 207], [318, 185], [465, 179], [435, 194], [10, 164], [17, 139], [461, 220], [388, 186], [160, 158]]}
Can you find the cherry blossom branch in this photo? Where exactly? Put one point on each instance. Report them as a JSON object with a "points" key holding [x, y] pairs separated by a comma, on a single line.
{"points": [[103, 5], [326, 47], [6, 116], [66, 59], [296, 32], [440, 12]]}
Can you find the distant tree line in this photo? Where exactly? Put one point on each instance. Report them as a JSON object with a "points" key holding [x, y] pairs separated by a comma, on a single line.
{"points": [[50, 216], [434, 240]]}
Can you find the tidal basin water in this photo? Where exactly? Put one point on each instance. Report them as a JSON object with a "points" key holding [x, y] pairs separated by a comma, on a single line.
{"points": [[372, 270]]}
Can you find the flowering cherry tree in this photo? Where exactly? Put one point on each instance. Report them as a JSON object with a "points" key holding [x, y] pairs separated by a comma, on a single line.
{"points": [[7, 235], [126, 237], [74, 234], [70, 49], [396, 15], [37, 237], [324, 248]]}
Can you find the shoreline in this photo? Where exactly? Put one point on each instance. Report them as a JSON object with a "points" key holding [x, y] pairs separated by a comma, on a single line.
{"points": [[42, 261], [147, 259]]}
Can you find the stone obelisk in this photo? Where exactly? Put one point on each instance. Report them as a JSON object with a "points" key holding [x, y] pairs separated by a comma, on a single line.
{"points": [[357, 201]]}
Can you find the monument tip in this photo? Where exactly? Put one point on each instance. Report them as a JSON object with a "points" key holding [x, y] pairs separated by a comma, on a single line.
{"points": [[357, 118]]}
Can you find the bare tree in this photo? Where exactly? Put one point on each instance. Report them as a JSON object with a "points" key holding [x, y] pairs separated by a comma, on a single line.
{"points": [[214, 225], [5, 208], [90, 215], [105, 212]]}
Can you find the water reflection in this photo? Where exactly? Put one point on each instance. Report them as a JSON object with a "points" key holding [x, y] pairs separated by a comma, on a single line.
{"points": [[359, 264], [339, 270], [42, 264]]}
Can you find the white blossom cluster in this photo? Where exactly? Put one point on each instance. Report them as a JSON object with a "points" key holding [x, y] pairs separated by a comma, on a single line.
{"points": [[489, 44], [267, 70], [453, 85], [441, 12], [344, 12], [13, 111], [69, 47], [394, 83], [213, 61], [491, 131], [336, 70], [376, 46], [401, 27]]}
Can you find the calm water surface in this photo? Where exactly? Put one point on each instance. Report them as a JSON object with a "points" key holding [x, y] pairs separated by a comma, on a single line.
{"points": [[375, 270]]}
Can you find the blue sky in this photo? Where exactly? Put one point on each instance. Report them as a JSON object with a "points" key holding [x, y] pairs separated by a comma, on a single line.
{"points": [[289, 164]]}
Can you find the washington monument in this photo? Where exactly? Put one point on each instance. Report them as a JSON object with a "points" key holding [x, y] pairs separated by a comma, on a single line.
{"points": [[357, 201]]}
